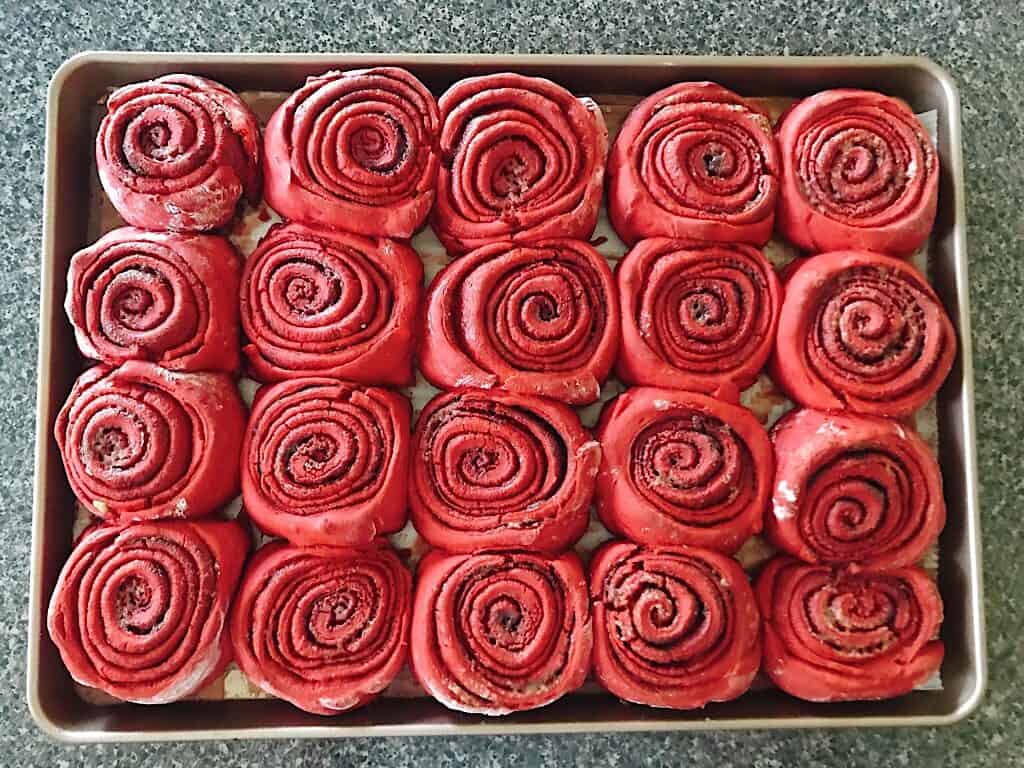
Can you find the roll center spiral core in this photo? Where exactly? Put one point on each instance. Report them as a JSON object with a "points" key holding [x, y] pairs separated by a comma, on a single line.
{"points": [[378, 146], [155, 138], [512, 178], [160, 134], [111, 446], [319, 448], [310, 290], [133, 304], [505, 618], [338, 608], [718, 160], [134, 597]]}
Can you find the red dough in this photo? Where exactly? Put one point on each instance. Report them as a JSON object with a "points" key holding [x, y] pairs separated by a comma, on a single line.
{"points": [[853, 489], [861, 331], [858, 171], [320, 303], [835, 634], [522, 159], [164, 297], [355, 151], [139, 611], [178, 152], [500, 632], [140, 442], [695, 316], [674, 627], [324, 628], [682, 468], [539, 319], [697, 162], [325, 462], [494, 469]]}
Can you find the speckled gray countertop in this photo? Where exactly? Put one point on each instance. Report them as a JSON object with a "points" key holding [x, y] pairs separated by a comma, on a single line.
{"points": [[981, 43]]}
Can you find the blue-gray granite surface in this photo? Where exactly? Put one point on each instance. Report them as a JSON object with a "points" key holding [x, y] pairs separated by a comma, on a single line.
{"points": [[981, 42]]}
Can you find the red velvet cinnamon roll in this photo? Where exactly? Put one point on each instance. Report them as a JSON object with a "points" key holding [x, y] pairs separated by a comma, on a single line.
{"points": [[674, 627], [848, 634], [858, 171], [500, 632], [178, 152], [853, 489], [140, 442], [694, 161], [861, 331], [326, 462], [355, 151], [694, 316], [682, 468], [538, 319], [139, 611], [522, 159], [325, 628], [494, 469], [168, 298], [320, 303]]}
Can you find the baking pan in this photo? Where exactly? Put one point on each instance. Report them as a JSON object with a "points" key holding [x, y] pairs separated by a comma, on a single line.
{"points": [[83, 81]]}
